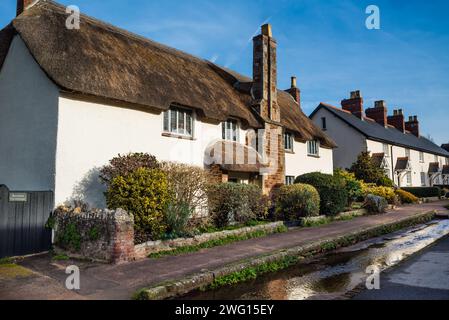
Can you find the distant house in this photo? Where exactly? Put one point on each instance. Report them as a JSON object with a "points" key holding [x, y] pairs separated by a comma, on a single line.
{"points": [[70, 100], [396, 145]]}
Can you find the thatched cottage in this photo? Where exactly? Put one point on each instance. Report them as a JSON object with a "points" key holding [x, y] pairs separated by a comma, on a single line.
{"points": [[72, 99]]}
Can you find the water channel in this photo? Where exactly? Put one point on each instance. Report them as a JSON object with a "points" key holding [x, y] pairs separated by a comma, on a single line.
{"points": [[333, 275]]}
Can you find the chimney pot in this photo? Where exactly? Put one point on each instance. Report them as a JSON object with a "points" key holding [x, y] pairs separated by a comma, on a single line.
{"points": [[355, 94], [378, 113], [266, 30], [413, 125], [294, 82], [397, 120]]}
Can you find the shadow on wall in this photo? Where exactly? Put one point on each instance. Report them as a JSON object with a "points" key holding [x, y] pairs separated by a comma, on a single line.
{"points": [[90, 190]]}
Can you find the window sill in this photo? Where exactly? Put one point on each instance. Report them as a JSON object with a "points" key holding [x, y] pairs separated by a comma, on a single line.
{"points": [[177, 136], [314, 156], [290, 151]]}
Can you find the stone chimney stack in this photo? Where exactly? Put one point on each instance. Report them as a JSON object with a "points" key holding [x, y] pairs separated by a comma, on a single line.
{"points": [[412, 125], [354, 104], [265, 75], [22, 5], [397, 120], [378, 113], [294, 91]]}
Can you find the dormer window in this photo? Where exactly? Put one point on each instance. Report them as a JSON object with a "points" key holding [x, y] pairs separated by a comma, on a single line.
{"points": [[313, 148], [230, 130], [178, 121], [288, 142]]}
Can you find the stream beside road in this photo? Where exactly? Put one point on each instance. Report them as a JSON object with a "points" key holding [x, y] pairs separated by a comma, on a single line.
{"points": [[336, 274]]}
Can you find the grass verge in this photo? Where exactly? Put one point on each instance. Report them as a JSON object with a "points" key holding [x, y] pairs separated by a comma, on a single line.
{"points": [[217, 242]]}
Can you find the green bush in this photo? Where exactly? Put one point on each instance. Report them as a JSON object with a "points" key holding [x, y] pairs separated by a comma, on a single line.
{"points": [[234, 202], [144, 193], [123, 165], [176, 217], [354, 187], [297, 201], [424, 192], [406, 197], [332, 190], [384, 192], [367, 170]]}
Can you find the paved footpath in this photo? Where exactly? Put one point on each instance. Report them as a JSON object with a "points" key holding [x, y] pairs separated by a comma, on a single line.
{"points": [[113, 282]]}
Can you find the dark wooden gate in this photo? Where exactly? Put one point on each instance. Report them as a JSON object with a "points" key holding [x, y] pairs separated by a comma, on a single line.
{"points": [[23, 216]]}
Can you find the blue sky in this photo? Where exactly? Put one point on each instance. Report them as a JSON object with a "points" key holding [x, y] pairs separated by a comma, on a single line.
{"points": [[324, 43]]}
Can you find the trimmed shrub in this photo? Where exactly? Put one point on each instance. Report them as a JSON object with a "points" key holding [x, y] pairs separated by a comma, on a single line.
{"points": [[384, 192], [406, 197], [123, 165], [367, 170], [332, 191], [187, 185], [354, 187], [375, 204], [144, 193], [423, 192], [234, 203], [297, 201]]}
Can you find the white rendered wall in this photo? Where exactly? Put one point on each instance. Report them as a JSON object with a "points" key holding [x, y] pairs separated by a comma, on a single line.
{"points": [[90, 134], [28, 122], [350, 142], [298, 162]]}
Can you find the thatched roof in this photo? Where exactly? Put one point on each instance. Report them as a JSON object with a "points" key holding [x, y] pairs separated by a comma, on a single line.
{"points": [[103, 61]]}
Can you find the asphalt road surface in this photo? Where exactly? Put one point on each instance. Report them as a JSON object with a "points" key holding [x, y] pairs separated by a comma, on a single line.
{"points": [[425, 276]]}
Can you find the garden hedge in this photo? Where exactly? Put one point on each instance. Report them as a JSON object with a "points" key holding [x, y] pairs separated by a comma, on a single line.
{"points": [[297, 201], [424, 192], [332, 190]]}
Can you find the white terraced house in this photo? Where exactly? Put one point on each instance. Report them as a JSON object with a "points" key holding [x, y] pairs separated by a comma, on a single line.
{"points": [[397, 146], [71, 100]]}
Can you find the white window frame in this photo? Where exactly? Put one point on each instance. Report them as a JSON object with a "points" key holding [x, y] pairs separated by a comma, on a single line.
{"points": [[288, 142], [423, 179], [409, 178], [408, 153], [176, 130], [386, 148], [228, 132], [289, 180], [436, 158], [421, 157], [313, 148]]}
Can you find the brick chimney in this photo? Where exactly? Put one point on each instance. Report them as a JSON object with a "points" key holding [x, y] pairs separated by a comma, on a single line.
{"points": [[265, 74], [22, 5], [397, 120], [378, 113], [354, 104], [294, 91], [412, 125]]}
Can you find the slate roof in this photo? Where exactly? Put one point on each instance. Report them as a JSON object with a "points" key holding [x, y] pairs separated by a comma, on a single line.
{"points": [[401, 164], [434, 167], [446, 169], [391, 135]]}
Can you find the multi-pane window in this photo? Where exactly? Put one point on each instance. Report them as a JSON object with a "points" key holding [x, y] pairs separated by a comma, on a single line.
{"points": [[407, 153], [230, 130], [409, 178], [436, 158], [323, 123], [289, 180], [447, 161], [313, 148], [179, 121], [423, 179], [386, 150], [288, 141], [421, 156]]}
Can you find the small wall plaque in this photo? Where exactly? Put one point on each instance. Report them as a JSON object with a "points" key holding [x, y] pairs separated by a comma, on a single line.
{"points": [[18, 197]]}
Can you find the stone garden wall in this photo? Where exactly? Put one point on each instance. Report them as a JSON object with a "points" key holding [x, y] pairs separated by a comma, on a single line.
{"points": [[103, 235]]}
